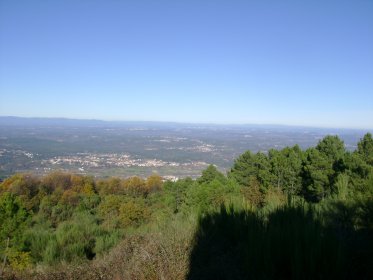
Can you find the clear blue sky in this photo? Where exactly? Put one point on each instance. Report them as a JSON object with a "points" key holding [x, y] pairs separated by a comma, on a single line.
{"points": [[276, 62]]}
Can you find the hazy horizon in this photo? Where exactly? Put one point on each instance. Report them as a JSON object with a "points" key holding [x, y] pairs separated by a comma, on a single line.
{"points": [[368, 129]]}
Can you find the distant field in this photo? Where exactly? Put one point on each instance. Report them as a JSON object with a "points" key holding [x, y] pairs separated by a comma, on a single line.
{"points": [[141, 148]]}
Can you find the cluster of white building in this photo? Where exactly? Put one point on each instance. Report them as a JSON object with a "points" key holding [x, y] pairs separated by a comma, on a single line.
{"points": [[113, 160]]}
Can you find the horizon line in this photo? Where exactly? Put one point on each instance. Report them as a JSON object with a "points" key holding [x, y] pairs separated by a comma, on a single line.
{"points": [[189, 122]]}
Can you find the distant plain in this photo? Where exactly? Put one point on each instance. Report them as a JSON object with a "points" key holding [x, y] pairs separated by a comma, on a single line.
{"points": [[107, 148]]}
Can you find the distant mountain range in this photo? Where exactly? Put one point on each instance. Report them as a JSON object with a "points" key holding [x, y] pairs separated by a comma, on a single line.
{"points": [[38, 121]]}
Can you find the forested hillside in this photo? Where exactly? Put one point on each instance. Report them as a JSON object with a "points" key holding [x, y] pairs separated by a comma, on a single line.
{"points": [[285, 214]]}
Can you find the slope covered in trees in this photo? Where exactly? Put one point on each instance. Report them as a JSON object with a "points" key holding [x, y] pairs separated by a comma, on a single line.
{"points": [[283, 214]]}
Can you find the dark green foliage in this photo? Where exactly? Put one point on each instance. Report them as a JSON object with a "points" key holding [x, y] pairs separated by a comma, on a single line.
{"points": [[251, 165], [263, 169], [332, 147], [314, 173], [210, 174], [292, 242], [13, 221], [243, 168], [286, 167], [175, 193], [317, 171], [359, 172], [365, 148]]}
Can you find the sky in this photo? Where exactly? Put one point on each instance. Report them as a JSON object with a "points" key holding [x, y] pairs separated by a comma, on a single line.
{"points": [[306, 63]]}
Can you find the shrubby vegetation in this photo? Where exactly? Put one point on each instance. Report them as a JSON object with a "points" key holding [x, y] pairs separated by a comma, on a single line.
{"points": [[283, 214]]}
